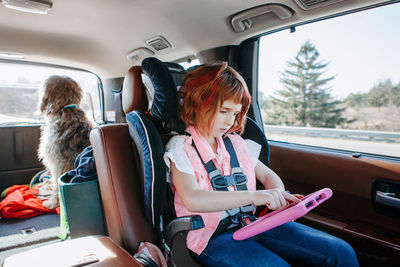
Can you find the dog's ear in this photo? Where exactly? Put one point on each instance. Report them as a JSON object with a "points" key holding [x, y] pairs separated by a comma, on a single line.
{"points": [[51, 108], [46, 105], [76, 93], [43, 104]]}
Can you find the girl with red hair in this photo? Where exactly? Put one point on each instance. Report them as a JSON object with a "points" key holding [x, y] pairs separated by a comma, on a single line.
{"points": [[214, 100]]}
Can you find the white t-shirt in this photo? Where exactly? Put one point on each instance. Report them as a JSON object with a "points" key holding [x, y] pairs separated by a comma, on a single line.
{"points": [[175, 151]]}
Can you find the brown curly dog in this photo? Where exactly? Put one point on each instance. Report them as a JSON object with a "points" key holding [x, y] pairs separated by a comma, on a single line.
{"points": [[65, 132]]}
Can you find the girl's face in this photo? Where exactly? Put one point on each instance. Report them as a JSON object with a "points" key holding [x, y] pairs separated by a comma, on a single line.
{"points": [[225, 118]]}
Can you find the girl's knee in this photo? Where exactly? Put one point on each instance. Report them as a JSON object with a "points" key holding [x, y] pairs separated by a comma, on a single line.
{"points": [[341, 254], [345, 248]]}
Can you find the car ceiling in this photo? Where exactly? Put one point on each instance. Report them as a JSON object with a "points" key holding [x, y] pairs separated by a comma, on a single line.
{"points": [[97, 35]]}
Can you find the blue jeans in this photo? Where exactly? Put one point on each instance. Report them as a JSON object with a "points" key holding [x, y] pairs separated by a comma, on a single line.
{"points": [[289, 244]]}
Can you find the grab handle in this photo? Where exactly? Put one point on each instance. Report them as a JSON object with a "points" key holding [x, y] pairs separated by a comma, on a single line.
{"points": [[388, 199], [242, 20]]}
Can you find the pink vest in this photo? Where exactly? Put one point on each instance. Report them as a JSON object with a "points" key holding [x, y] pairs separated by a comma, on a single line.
{"points": [[197, 240]]}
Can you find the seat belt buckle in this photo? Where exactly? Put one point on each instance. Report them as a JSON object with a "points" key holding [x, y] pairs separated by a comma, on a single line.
{"points": [[245, 219]]}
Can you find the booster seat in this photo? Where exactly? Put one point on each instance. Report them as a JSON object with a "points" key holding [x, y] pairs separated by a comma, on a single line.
{"points": [[149, 132], [121, 182]]}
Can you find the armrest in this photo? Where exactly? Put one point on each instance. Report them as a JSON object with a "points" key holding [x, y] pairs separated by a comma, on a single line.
{"points": [[176, 233], [182, 224]]}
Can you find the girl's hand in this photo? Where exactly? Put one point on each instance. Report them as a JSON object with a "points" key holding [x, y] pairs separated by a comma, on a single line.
{"points": [[273, 198]]}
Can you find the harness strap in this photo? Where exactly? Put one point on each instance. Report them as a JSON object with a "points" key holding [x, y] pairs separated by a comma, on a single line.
{"points": [[243, 215], [229, 147], [241, 179]]}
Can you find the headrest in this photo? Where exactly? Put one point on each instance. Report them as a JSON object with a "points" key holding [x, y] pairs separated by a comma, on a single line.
{"points": [[153, 87], [174, 67], [165, 101], [134, 95]]}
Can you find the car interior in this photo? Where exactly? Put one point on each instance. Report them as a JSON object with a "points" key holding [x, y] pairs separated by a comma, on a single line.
{"points": [[130, 58]]}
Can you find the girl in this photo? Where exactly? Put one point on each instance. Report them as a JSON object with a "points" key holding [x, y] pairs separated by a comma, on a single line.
{"points": [[214, 103]]}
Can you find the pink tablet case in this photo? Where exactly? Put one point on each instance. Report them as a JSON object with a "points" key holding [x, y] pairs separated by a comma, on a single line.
{"points": [[284, 215]]}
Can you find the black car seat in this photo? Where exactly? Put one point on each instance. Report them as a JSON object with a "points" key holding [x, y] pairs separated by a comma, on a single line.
{"points": [[148, 131], [121, 170]]}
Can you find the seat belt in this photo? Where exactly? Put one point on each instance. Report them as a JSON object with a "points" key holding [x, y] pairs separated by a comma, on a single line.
{"points": [[243, 215]]}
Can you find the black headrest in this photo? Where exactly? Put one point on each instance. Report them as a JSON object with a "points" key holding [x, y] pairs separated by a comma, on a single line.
{"points": [[165, 102]]}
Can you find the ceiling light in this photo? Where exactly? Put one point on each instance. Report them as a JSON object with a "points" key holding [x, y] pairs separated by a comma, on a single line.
{"points": [[158, 43], [31, 6], [10, 55]]}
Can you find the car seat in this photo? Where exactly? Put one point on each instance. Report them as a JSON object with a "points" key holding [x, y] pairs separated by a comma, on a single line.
{"points": [[149, 131], [121, 170]]}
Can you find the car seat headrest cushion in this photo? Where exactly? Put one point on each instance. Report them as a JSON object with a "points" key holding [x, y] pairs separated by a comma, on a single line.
{"points": [[165, 102]]}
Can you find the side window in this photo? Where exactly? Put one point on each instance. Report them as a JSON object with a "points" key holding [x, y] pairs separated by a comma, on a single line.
{"points": [[334, 83], [190, 63], [19, 92]]}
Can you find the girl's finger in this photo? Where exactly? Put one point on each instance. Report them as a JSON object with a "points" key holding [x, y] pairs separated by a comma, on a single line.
{"points": [[282, 200], [272, 203], [290, 197]]}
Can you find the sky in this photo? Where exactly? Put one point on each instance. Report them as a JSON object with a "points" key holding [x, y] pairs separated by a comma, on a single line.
{"points": [[362, 48]]}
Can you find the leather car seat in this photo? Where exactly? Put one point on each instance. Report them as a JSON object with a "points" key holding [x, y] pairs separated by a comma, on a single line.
{"points": [[117, 171]]}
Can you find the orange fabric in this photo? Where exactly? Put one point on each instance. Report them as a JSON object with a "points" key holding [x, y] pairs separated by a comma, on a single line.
{"points": [[21, 203]]}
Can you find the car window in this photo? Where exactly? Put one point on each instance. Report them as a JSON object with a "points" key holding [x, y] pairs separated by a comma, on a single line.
{"points": [[334, 83], [19, 92], [188, 64]]}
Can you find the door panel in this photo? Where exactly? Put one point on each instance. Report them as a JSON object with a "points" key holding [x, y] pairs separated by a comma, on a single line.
{"points": [[372, 230], [18, 154]]}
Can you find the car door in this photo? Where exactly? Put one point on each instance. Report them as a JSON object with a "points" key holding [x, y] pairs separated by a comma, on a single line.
{"points": [[360, 209], [18, 154], [330, 107]]}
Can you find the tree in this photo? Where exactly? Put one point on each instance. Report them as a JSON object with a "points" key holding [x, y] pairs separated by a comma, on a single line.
{"points": [[356, 100], [305, 98], [383, 94]]}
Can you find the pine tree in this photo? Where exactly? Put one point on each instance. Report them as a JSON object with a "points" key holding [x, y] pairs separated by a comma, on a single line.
{"points": [[305, 99]]}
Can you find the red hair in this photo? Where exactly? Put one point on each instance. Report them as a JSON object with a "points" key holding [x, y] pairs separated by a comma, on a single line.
{"points": [[205, 89]]}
